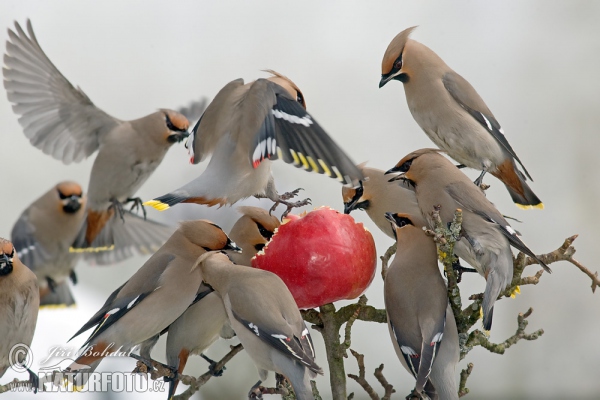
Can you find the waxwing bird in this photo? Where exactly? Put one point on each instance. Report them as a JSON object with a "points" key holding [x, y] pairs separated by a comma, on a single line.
{"points": [[62, 121], [42, 236], [420, 320], [244, 128], [19, 304], [376, 195], [454, 116], [251, 232], [153, 298], [438, 182], [265, 318]]}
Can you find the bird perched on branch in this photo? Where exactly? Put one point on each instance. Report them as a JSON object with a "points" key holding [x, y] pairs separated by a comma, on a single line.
{"points": [[62, 121], [265, 318], [244, 128], [420, 320], [19, 304], [152, 299], [438, 182], [454, 116]]}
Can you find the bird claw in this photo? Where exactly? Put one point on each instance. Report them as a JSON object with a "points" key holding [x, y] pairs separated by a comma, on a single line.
{"points": [[212, 366], [118, 206], [414, 395], [73, 277], [256, 391], [137, 205], [151, 365], [290, 195], [459, 269]]}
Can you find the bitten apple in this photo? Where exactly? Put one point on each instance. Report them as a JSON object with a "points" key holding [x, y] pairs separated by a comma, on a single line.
{"points": [[322, 257]]}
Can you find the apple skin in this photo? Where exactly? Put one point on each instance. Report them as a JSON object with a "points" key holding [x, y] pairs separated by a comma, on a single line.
{"points": [[322, 257]]}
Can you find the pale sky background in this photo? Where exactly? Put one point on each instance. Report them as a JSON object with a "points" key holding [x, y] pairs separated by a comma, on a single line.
{"points": [[535, 64]]}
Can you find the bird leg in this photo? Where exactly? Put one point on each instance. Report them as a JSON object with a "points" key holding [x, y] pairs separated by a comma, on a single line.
{"points": [[155, 365], [34, 380], [117, 205], [456, 266], [51, 284], [479, 179], [137, 204], [212, 366], [73, 277], [290, 195], [283, 200], [255, 391]]}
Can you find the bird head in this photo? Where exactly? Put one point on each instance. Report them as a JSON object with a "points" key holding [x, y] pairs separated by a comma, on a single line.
{"points": [[254, 229], [70, 196], [177, 126], [415, 165], [355, 198], [398, 221], [392, 65], [288, 85], [207, 235], [7, 254]]}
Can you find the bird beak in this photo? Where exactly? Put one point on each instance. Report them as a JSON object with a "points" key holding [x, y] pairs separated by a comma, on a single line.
{"points": [[232, 246], [72, 205], [6, 265], [177, 136], [397, 177], [349, 206], [385, 79]]}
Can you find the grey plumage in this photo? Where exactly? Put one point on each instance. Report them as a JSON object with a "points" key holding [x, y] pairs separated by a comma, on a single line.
{"points": [[19, 304], [155, 296], [454, 116], [63, 122], [438, 182], [244, 128], [420, 320], [265, 317]]}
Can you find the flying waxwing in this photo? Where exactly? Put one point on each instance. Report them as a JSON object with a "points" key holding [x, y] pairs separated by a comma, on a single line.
{"points": [[265, 318], [62, 121], [420, 320], [438, 182], [19, 304], [251, 232], [376, 195], [42, 236], [454, 116], [153, 298], [244, 128]]}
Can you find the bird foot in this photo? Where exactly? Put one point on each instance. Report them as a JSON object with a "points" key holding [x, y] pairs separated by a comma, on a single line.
{"points": [[290, 195], [171, 372], [255, 391], [289, 205], [212, 366], [414, 395], [73, 277], [51, 284], [34, 380], [459, 269], [138, 204], [118, 206]]}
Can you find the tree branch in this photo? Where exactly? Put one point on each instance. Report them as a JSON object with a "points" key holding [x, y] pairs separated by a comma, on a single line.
{"points": [[385, 259], [464, 375]]}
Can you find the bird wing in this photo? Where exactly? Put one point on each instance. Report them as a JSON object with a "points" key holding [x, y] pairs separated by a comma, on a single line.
{"points": [[56, 117], [298, 347], [121, 305], [211, 126], [461, 193], [30, 251], [288, 132], [468, 98], [131, 235], [420, 360]]}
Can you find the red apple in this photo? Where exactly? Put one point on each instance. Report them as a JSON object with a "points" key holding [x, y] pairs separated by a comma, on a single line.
{"points": [[322, 257]]}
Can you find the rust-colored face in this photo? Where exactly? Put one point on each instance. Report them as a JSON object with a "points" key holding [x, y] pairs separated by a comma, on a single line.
{"points": [[177, 125], [7, 254], [207, 235], [71, 197], [393, 61]]}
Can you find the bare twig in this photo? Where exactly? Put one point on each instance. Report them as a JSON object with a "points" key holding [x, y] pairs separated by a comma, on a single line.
{"points": [[315, 390], [389, 389], [464, 375], [362, 381], [362, 301]]}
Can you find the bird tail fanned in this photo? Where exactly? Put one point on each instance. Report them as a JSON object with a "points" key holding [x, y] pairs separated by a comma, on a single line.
{"points": [[92, 236], [59, 297]]}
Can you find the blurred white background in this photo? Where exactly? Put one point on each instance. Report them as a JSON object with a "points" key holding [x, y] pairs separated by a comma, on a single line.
{"points": [[535, 64]]}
